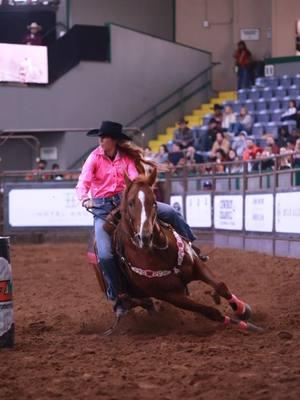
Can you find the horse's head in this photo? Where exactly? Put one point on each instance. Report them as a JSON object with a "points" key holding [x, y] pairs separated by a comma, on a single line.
{"points": [[139, 208]]}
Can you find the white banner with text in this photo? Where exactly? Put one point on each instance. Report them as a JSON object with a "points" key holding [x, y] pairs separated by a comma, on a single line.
{"points": [[259, 212], [228, 212], [198, 211], [287, 212]]}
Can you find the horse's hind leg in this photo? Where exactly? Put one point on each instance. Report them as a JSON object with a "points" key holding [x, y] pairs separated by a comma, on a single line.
{"points": [[181, 301], [202, 272]]}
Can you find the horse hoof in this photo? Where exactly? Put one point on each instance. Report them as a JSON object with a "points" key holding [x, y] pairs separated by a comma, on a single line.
{"points": [[246, 315], [249, 327]]}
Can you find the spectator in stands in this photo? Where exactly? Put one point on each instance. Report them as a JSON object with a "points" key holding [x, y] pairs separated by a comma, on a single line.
{"points": [[283, 136], [148, 155], [242, 61], [207, 139], [229, 119], [297, 156], [244, 121], [218, 113], [251, 150], [267, 159], [193, 157], [176, 156], [290, 113], [239, 145], [37, 173], [183, 135], [270, 142], [220, 143], [221, 157], [237, 167], [54, 176], [284, 162], [162, 156], [34, 36]]}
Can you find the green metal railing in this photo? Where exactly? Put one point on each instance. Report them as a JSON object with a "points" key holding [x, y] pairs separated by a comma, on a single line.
{"points": [[175, 100]]}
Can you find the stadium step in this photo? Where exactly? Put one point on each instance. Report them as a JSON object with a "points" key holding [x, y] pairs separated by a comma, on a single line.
{"points": [[194, 119]]}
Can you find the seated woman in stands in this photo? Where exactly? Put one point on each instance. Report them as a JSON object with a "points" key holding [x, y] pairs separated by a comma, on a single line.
{"points": [[244, 122], [284, 162], [229, 119], [291, 112]]}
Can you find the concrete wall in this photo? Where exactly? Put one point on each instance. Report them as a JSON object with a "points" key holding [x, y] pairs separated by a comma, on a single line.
{"points": [[143, 69], [284, 16], [225, 19], [151, 16]]}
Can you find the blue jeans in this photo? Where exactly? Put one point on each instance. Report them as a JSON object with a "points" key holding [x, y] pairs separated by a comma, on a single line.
{"points": [[106, 257], [243, 78]]}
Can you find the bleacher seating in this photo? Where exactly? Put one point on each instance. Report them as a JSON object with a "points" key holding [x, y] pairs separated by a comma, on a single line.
{"points": [[266, 101]]}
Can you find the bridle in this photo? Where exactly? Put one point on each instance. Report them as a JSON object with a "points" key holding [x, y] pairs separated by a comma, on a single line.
{"points": [[135, 235]]}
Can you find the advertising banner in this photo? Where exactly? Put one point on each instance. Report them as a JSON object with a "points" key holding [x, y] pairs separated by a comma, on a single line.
{"points": [[55, 207], [287, 212], [259, 213], [228, 212], [198, 211]]}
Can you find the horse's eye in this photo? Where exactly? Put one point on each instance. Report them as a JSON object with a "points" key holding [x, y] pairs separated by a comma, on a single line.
{"points": [[130, 204], [154, 205]]}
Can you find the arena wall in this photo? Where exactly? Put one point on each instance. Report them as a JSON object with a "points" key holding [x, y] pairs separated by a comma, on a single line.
{"points": [[154, 17], [143, 69]]}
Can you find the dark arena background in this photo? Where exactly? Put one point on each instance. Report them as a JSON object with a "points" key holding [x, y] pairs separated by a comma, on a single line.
{"points": [[210, 90]]}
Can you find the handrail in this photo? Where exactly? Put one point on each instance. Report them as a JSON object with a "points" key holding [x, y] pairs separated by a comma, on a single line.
{"points": [[173, 93]]}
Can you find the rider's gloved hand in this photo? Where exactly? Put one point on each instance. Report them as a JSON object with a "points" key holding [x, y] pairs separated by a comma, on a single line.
{"points": [[87, 203]]}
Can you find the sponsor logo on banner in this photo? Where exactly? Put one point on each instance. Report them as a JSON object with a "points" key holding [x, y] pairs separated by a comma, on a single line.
{"points": [[5, 291], [198, 211], [259, 212], [177, 203], [287, 212], [228, 212], [46, 207]]}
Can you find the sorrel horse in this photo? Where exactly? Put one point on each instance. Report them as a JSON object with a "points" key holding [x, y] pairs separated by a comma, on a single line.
{"points": [[159, 263]]}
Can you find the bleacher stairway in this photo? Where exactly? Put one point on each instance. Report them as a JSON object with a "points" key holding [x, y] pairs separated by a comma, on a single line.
{"points": [[197, 118]]}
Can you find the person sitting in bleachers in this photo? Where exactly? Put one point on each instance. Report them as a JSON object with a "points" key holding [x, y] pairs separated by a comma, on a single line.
{"points": [[251, 150], [193, 157], [38, 174], [239, 144], [218, 113], [162, 157], [220, 143], [183, 135], [283, 136], [237, 167], [290, 113], [297, 156], [270, 142], [244, 121], [176, 156], [221, 157], [284, 162], [229, 119]]}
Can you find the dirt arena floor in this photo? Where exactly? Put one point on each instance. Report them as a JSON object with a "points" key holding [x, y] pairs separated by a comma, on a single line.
{"points": [[60, 313]]}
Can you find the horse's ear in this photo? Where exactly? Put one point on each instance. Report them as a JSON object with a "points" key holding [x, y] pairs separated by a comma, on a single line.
{"points": [[127, 180], [152, 177]]}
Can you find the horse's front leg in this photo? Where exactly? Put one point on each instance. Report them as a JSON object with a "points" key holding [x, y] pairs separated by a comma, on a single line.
{"points": [[181, 301], [202, 272]]}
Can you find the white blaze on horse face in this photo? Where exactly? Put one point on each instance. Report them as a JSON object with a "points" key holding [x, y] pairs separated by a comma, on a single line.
{"points": [[141, 197]]}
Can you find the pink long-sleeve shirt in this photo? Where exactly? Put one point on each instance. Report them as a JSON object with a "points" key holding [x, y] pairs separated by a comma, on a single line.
{"points": [[103, 177]]}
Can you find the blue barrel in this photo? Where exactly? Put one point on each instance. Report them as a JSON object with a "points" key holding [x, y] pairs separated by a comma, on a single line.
{"points": [[7, 328]]}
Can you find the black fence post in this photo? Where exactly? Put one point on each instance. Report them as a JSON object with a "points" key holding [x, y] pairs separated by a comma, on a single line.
{"points": [[7, 333]]}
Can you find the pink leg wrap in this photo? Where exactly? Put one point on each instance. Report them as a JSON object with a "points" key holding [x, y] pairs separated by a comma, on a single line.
{"points": [[226, 320], [241, 307], [243, 325]]}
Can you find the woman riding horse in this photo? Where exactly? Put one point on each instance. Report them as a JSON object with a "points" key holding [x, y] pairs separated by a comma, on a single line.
{"points": [[100, 185]]}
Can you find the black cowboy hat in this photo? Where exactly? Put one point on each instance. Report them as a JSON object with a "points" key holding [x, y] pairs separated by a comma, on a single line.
{"points": [[182, 121], [110, 129]]}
